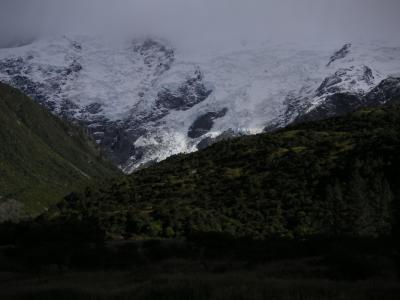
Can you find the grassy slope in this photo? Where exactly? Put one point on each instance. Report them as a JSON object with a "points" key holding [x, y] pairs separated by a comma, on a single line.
{"points": [[41, 157], [339, 176]]}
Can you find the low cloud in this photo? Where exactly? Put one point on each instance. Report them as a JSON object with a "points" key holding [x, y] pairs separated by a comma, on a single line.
{"points": [[203, 21]]}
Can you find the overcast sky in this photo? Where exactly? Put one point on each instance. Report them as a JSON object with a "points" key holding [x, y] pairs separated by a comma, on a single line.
{"points": [[206, 20]]}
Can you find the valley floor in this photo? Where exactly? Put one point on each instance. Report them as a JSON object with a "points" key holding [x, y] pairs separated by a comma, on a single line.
{"points": [[144, 284]]}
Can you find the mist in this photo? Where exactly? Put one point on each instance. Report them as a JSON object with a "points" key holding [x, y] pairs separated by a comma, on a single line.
{"points": [[205, 21]]}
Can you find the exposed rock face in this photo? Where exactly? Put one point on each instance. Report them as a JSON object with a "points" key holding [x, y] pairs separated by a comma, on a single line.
{"points": [[345, 91], [346, 79], [368, 76], [330, 84], [154, 53], [387, 91], [339, 104], [143, 121], [335, 105], [204, 123], [192, 92], [341, 53], [20, 72]]}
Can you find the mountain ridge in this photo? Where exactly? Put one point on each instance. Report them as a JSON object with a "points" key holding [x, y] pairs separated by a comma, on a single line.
{"points": [[141, 98]]}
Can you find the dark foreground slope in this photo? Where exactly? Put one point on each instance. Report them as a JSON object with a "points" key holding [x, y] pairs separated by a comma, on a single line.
{"points": [[335, 177], [41, 157], [306, 213]]}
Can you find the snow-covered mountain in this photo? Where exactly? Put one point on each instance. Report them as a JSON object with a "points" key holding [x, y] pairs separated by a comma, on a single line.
{"points": [[144, 100]]}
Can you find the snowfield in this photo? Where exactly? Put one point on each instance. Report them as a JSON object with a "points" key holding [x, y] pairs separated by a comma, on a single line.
{"points": [[141, 98]]}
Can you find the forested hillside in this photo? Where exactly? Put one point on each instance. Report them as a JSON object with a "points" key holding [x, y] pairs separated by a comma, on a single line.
{"points": [[335, 177]]}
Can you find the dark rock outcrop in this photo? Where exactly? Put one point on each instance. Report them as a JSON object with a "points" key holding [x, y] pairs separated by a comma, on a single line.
{"points": [[339, 104], [335, 105], [117, 139], [42, 92], [204, 123], [329, 83], [192, 92], [368, 75], [341, 53], [154, 53], [387, 91]]}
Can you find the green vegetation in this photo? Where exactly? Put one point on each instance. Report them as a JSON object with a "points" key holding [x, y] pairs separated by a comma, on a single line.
{"points": [[41, 157], [309, 212], [338, 177]]}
